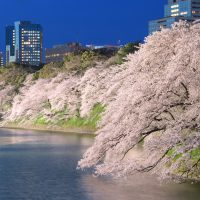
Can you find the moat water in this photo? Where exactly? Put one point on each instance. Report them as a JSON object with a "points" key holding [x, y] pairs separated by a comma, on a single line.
{"points": [[42, 166]]}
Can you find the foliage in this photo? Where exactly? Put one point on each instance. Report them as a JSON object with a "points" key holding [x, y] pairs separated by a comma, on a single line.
{"points": [[73, 62], [48, 71], [14, 75], [87, 59], [120, 56], [129, 48], [81, 62], [195, 154]]}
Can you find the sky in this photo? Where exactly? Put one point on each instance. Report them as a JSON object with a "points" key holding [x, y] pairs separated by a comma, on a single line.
{"points": [[86, 21]]}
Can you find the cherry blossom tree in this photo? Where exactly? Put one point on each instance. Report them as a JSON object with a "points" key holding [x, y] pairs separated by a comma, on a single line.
{"points": [[5, 97], [57, 92], [155, 107]]}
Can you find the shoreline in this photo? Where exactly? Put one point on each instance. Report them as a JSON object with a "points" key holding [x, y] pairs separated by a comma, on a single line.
{"points": [[78, 131], [75, 131]]}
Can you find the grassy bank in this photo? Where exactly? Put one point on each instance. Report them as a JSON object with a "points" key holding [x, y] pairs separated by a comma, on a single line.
{"points": [[75, 124], [60, 120], [49, 129]]}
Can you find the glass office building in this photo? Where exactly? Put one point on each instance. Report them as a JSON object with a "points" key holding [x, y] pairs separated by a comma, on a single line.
{"points": [[176, 10], [24, 43], [10, 44], [1, 59]]}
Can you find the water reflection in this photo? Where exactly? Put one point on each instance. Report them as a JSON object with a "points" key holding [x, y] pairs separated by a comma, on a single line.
{"points": [[138, 188], [42, 165]]}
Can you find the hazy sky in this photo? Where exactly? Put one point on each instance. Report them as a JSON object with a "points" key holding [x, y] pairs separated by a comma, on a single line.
{"points": [[86, 21]]}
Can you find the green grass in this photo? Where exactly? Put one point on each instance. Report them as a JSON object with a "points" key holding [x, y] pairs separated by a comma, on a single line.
{"points": [[182, 165], [195, 154], [41, 120], [177, 156], [174, 155], [171, 152], [89, 122], [84, 122]]}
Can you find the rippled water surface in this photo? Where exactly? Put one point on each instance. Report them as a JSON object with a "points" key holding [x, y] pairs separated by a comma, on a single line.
{"points": [[42, 166]]}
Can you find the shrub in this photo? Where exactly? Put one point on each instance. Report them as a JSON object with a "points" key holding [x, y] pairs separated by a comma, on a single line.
{"points": [[129, 48], [14, 75]]}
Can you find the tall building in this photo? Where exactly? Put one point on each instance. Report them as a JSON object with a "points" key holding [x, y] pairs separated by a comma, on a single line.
{"points": [[1, 59], [24, 43], [175, 11], [10, 44]]}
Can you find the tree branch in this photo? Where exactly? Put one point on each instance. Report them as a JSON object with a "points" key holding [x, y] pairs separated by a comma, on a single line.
{"points": [[141, 139]]}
